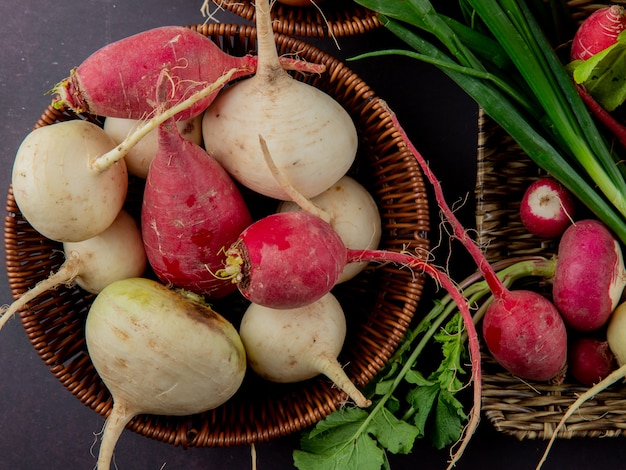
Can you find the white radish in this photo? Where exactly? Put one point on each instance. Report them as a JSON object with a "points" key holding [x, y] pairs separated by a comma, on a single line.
{"points": [[55, 188], [116, 253], [292, 345], [311, 137], [159, 351], [139, 157], [353, 215]]}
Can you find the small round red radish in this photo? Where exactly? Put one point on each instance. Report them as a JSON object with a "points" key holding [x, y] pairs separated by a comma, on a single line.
{"points": [[589, 277], [286, 260], [526, 335], [547, 208], [590, 360], [598, 31]]}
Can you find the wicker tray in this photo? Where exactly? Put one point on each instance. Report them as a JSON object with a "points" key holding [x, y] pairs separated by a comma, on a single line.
{"points": [[379, 304], [526, 409], [333, 18]]}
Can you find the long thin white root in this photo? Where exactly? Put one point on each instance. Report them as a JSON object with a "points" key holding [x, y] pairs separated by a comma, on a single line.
{"points": [[613, 377], [66, 273]]}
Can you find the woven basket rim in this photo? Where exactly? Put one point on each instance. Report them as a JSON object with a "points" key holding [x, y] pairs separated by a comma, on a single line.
{"points": [[54, 321], [332, 18]]}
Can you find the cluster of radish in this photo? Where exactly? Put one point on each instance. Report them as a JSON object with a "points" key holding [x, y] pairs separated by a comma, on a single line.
{"points": [[586, 288], [171, 119]]}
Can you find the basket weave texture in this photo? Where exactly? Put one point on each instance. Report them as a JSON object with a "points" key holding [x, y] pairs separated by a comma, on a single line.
{"points": [[526, 409], [334, 18], [379, 304]]}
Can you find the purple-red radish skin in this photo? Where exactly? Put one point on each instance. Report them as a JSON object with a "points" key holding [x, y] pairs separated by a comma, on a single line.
{"points": [[547, 208], [526, 335], [290, 259], [590, 360], [119, 79], [589, 276], [598, 31], [191, 211]]}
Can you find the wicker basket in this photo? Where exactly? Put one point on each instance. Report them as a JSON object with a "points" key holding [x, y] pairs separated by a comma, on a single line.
{"points": [[334, 18], [526, 409], [379, 304]]}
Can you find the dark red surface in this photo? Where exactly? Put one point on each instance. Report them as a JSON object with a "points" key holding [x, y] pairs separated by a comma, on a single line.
{"points": [[42, 426]]}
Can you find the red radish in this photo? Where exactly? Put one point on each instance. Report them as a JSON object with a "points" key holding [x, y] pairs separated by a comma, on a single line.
{"points": [[598, 31], [297, 344], [590, 360], [589, 277], [547, 208], [116, 253], [286, 260], [311, 137], [191, 211], [119, 79]]}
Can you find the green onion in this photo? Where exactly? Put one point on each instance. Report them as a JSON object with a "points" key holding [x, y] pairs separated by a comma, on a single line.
{"points": [[535, 101]]}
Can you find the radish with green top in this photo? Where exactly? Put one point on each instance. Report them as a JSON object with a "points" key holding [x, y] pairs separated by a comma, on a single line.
{"points": [[292, 345], [159, 351], [311, 137]]}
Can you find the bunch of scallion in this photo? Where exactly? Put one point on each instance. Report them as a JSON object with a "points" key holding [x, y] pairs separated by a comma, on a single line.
{"points": [[502, 57]]}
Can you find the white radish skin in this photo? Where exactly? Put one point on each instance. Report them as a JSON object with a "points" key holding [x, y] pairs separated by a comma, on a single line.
{"points": [[353, 215], [311, 137], [616, 333], [159, 352], [292, 345], [117, 253], [55, 187], [139, 157]]}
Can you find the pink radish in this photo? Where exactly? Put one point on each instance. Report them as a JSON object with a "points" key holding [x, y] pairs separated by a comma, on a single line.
{"points": [[598, 31], [589, 277], [590, 360], [119, 79], [547, 208], [116, 253], [292, 345], [191, 211]]}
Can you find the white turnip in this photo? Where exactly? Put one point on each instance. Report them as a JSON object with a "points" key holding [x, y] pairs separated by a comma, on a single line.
{"points": [[56, 189], [311, 137], [116, 253], [161, 352], [292, 345], [589, 277]]}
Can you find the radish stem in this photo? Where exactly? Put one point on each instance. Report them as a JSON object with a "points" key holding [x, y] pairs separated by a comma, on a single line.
{"points": [[107, 159]]}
